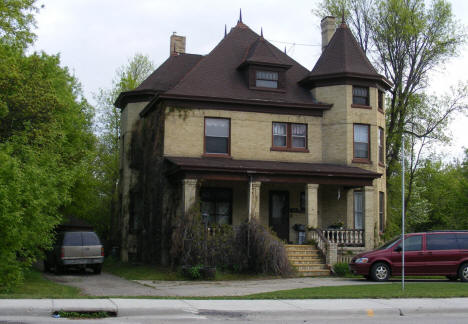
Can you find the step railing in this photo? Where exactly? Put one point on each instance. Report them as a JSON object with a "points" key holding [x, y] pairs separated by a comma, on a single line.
{"points": [[328, 249], [344, 237]]}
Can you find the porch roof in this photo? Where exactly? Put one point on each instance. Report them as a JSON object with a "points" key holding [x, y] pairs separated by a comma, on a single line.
{"points": [[270, 171]]}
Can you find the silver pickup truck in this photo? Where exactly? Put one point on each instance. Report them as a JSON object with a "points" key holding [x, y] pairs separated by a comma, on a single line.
{"points": [[75, 249]]}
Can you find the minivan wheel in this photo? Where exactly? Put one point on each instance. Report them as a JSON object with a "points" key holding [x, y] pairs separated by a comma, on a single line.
{"points": [[463, 272], [380, 272]]}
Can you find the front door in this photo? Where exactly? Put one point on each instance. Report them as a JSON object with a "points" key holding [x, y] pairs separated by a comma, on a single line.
{"points": [[279, 213]]}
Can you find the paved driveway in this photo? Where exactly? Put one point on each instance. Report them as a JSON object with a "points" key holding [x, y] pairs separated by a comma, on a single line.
{"points": [[106, 284]]}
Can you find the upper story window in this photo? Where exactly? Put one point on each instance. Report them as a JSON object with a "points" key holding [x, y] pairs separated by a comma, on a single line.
{"points": [[289, 137], [381, 100], [360, 96], [361, 143], [217, 136], [266, 79], [381, 146]]}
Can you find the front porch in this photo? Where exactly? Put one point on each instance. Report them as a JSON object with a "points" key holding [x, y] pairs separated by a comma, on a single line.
{"points": [[337, 205]]}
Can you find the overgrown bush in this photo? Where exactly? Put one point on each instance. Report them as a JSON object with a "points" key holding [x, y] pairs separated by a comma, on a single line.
{"points": [[249, 247], [341, 269]]}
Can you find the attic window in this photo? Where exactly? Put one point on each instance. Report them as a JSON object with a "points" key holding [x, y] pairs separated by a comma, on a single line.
{"points": [[266, 79], [361, 96]]}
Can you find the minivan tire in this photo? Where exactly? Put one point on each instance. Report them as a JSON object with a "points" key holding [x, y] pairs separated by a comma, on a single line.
{"points": [[463, 272], [380, 271]]}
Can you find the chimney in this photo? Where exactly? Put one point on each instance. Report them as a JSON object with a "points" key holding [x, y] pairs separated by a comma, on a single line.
{"points": [[328, 29], [177, 44]]}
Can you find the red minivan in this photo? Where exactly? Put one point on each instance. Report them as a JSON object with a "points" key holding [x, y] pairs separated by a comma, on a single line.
{"points": [[426, 254]]}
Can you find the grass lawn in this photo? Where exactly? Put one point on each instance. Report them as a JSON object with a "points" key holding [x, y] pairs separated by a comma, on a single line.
{"points": [[36, 286], [387, 290], [150, 272]]}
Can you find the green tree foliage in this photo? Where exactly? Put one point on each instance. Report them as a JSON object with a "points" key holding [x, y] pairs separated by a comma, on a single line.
{"points": [[45, 141]]}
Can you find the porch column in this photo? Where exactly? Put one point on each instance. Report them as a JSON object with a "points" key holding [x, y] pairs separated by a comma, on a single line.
{"points": [[369, 216], [189, 192], [312, 204], [254, 200]]}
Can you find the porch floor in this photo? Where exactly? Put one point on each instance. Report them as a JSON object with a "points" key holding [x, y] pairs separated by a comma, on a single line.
{"points": [[307, 260]]}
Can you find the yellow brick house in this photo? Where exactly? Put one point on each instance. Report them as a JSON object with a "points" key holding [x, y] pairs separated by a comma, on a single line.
{"points": [[250, 133]]}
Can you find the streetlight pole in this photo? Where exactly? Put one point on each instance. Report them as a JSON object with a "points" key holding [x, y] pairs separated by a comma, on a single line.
{"points": [[403, 212]]}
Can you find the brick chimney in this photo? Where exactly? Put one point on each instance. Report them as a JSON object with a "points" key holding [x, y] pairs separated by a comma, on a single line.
{"points": [[328, 29], [177, 45]]}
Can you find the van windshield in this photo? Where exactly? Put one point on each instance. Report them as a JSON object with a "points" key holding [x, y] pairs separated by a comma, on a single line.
{"points": [[390, 243]]}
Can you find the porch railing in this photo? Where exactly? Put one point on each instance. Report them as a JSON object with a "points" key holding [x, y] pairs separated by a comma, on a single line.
{"points": [[328, 249], [344, 237]]}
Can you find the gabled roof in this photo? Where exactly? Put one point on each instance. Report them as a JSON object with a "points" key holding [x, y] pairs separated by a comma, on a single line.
{"points": [[263, 53], [343, 58], [163, 78]]}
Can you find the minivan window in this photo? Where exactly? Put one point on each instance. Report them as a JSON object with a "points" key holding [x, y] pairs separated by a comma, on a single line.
{"points": [[462, 240], [413, 243], [72, 239], [441, 242], [90, 238], [389, 243]]}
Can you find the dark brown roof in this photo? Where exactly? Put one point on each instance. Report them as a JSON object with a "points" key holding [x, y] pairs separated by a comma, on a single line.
{"points": [[285, 168], [163, 78], [344, 58], [217, 76], [262, 52]]}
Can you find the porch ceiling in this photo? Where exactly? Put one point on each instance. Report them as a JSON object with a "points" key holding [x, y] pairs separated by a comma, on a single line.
{"points": [[269, 171]]}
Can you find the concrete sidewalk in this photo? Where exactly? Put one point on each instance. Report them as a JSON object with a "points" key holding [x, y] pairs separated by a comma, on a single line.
{"points": [[310, 307]]}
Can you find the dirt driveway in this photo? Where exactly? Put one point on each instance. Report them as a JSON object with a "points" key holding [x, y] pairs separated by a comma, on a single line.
{"points": [[106, 284]]}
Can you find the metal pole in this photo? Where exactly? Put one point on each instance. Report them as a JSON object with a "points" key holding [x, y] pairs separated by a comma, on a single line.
{"points": [[403, 213]]}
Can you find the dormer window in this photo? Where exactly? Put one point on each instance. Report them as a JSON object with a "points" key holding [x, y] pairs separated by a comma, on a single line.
{"points": [[266, 79]]}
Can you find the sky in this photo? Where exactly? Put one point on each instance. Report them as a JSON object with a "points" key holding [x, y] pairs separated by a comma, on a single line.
{"points": [[96, 37]]}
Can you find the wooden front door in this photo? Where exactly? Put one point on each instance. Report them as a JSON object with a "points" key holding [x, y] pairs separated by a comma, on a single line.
{"points": [[279, 213]]}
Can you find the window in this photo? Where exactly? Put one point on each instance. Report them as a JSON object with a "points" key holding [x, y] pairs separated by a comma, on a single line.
{"points": [[217, 203], [289, 137], [358, 210], [462, 239], [381, 146], [381, 211], [381, 100], [266, 79], [441, 242], [412, 243], [361, 143], [361, 96], [72, 239], [217, 134]]}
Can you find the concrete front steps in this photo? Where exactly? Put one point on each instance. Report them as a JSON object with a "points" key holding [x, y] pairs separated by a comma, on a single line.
{"points": [[307, 260]]}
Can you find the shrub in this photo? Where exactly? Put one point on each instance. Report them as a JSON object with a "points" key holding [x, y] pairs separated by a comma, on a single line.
{"points": [[341, 269]]}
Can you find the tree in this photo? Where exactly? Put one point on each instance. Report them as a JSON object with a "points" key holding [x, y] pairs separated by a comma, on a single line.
{"points": [[406, 40], [107, 126], [16, 21]]}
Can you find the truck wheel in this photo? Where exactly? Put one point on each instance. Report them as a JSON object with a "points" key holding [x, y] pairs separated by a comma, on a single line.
{"points": [[97, 268], [463, 272], [380, 272], [58, 269]]}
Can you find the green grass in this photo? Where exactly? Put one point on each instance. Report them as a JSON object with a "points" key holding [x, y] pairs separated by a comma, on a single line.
{"points": [[36, 286], [388, 290], [131, 271]]}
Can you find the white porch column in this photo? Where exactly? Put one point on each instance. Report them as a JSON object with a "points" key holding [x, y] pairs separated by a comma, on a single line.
{"points": [[370, 215], [189, 192], [254, 200], [312, 204]]}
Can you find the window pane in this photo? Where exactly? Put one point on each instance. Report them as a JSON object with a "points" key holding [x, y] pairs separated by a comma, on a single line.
{"points": [[462, 241], [267, 75], [72, 239], [361, 150], [360, 96], [361, 133], [90, 238], [413, 243], [279, 129], [358, 210], [299, 142], [266, 84], [217, 127], [216, 144], [279, 140], [298, 130], [441, 242]]}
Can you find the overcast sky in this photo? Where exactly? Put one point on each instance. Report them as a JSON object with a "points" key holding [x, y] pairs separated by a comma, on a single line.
{"points": [[95, 37]]}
